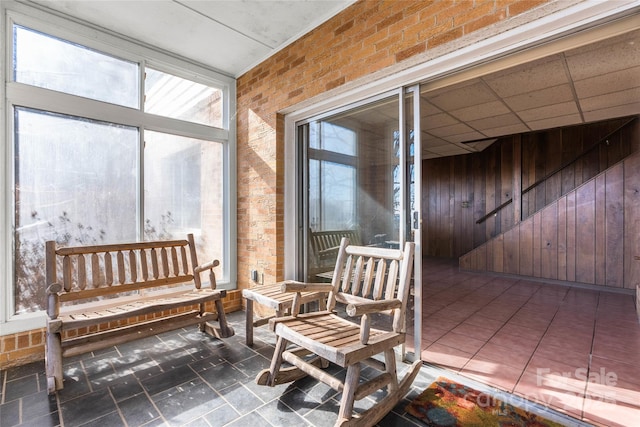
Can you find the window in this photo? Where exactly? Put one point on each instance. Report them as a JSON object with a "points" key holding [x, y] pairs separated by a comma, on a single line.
{"points": [[332, 177], [109, 146]]}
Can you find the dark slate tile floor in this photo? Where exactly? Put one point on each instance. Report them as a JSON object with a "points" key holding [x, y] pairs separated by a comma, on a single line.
{"points": [[181, 378]]}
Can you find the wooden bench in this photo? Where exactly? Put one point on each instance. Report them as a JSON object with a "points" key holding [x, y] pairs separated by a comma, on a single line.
{"points": [[112, 294], [324, 247]]}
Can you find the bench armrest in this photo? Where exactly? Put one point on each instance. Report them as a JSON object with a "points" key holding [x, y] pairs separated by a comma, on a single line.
{"points": [[360, 308], [207, 266]]}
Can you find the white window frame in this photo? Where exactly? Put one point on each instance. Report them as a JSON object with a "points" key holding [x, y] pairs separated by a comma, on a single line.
{"points": [[18, 94]]}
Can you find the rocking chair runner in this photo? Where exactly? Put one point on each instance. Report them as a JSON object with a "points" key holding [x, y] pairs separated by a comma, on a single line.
{"points": [[370, 282]]}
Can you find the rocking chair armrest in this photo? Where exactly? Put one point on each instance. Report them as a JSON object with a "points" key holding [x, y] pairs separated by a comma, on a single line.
{"points": [[358, 309], [295, 286], [207, 266]]}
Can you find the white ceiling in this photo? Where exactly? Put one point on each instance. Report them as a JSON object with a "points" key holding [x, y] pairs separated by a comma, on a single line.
{"points": [[230, 36]]}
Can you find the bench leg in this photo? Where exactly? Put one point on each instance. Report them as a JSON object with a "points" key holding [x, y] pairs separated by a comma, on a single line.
{"points": [[53, 361], [249, 322], [227, 331]]}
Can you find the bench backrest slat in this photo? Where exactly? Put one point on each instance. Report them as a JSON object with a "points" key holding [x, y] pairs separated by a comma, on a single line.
{"points": [[133, 266], [66, 273], [143, 262], [82, 273], [108, 269], [119, 267]]}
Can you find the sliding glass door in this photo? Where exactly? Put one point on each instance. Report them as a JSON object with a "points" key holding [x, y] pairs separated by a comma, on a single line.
{"points": [[356, 179]]}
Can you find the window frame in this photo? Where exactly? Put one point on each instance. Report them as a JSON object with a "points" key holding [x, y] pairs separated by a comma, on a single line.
{"points": [[18, 94]]}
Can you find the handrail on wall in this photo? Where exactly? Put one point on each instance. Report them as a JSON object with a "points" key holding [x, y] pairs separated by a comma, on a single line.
{"points": [[555, 171]]}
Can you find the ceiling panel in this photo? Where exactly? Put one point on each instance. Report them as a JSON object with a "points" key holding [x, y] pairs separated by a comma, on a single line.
{"points": [[230, 36], [595, 82]]}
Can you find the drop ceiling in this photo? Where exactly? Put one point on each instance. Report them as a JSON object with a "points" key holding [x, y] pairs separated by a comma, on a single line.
{"points": [[595, 82]]}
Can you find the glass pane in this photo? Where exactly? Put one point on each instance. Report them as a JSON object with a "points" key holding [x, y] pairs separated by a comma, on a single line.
{"points": [[51, 63], [353, 175], [330, 137], [183, 180], [76, 184], [332, 196], [170, 96]]}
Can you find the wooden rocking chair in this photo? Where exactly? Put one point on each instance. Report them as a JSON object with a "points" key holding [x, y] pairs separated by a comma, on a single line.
{"points": [[374, 284]]}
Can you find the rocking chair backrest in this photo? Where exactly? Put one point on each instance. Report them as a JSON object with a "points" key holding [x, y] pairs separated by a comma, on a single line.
{"points": [[373, 273]]}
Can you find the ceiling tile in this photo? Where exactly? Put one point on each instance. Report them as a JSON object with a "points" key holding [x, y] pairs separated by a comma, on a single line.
{"points": [[469, 93], [562, 109], [608, 100], [612, 82], [495, 121], [536, 75], [270, 22], [554, 122], [506, 130], [612, 112], [540, 98], [480, 111], [466, 136], [611, 55], [446, 131], [438, 121], [429, 140]]}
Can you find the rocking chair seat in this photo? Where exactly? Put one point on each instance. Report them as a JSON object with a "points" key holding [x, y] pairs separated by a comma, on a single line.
{"points": [[334, 338]]}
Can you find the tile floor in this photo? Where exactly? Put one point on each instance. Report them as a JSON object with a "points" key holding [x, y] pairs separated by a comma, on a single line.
{"points": [[572, 349], [497, 335]]}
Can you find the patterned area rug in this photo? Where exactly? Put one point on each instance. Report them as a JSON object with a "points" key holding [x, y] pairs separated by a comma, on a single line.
{"points": [[447, 404]]}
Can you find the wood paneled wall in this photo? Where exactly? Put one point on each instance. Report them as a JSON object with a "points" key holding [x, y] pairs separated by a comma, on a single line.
{"points": [[459, 190], [590, 235]]}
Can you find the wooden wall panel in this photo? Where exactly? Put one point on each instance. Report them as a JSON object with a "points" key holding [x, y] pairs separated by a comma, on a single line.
{"points": [[511, 253], [549, 241], [562, 239], [600, 220], [585, 233], [526, 247], [571, 236], [614, 226], [632, 221], [498, 254], [537, 242]]}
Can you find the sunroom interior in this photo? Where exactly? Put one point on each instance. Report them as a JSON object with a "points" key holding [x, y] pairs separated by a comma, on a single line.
{"points": [[529, 175]]}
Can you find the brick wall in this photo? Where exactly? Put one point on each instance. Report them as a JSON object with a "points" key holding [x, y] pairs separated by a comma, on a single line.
{"points": [[364, 38]]}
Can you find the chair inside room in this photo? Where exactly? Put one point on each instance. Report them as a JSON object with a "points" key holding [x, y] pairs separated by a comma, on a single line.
{"points": [[363, 323]]}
